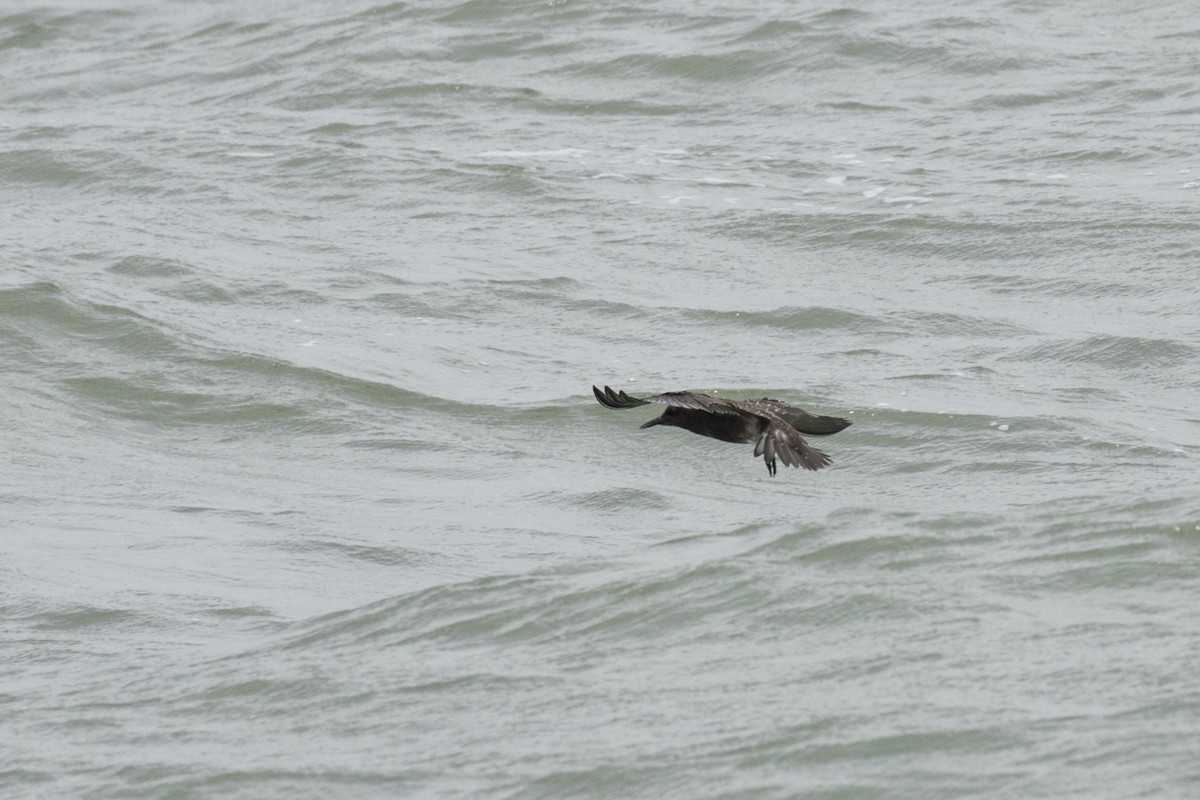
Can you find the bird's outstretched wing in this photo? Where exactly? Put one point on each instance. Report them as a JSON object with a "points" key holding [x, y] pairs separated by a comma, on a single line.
{"points": [[785, 441], [692, 400], [612, 399], [803, 421]]}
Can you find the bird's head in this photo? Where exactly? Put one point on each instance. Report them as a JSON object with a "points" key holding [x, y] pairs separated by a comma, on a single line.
{"points": [[669, 417]]}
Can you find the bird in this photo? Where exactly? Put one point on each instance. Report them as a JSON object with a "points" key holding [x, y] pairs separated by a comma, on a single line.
{"points": [[772, 425]]}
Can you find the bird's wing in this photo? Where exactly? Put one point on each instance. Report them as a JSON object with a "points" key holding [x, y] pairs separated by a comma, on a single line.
{"points": [[697, 402], [804, 421], [612, 399], [785, 441]]}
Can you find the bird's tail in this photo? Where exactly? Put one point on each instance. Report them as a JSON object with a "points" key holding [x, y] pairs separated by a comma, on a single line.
{"points": [[793, 451]]}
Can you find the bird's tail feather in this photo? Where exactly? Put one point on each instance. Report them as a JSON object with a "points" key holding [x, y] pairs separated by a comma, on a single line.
{"points": [[791, 448]]}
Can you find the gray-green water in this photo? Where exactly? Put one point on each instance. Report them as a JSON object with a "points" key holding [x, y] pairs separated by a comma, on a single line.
{"points": [[305, 493]]}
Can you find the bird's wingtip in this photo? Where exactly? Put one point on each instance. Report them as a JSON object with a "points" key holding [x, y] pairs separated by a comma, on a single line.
{"points": [[616, 399]]}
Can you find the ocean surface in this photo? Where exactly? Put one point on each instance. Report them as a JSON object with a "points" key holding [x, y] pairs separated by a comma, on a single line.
{"points": [[305, 493]]}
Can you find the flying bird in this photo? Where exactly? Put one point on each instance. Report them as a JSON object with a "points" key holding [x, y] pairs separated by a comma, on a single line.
{"points": [[772, 425]]}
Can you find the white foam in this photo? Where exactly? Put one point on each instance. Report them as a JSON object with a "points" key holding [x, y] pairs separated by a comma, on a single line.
{"points": [[566, 152], [906, 199]]}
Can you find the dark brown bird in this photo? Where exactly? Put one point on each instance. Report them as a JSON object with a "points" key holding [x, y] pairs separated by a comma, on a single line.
{"points": [[772, 425]]}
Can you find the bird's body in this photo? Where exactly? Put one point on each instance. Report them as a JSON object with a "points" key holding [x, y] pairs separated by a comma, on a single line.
{"points": [[772, 425]]}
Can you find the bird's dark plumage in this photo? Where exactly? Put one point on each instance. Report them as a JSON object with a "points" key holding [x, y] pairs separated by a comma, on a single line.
{"points": [[772, 425]]}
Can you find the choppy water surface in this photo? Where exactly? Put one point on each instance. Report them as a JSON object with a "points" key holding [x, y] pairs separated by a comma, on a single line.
{"points": [[306, 494]]}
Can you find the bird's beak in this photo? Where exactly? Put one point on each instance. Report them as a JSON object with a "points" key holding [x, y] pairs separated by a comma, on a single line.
{"points": [[655, 421]]}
